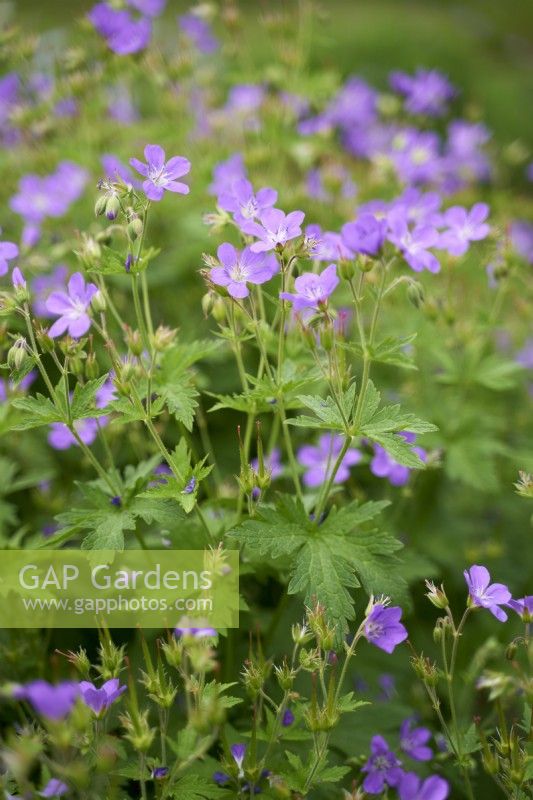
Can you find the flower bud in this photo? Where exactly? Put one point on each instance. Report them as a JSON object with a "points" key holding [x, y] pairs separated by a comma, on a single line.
{"points": [[218, 311], [425, 670], [135, 228], [18, 353], [416, 294], [346, 269], [437, 596], [327, 338], [285, 677], [134, 342], [98, 302], [164, 337], [112, 207], [100, 206], [365, 263]]}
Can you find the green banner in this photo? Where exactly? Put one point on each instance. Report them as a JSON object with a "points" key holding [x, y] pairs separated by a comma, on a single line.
{"points": [[128, 589]]}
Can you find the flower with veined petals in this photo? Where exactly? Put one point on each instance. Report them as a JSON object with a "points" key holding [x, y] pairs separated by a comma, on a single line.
{"points": [[413, 741], [383, 627], [382, 768], [72, 308], [312, 290], [484, 594], [99, 700], [161, 175], [365, 235], [464, 227], [274, 229], [413, 243], [239, 268], [414, 788], [241, 201]]}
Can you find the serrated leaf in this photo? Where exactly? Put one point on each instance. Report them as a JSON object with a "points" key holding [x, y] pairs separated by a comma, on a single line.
{"points": [[38, 410], [195, 787], [399, 449], [108, 534], [83, 403]]}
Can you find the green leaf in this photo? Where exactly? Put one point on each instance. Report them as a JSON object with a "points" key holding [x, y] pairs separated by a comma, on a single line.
{"points": [[326, 561], [180, 399], [83, 402], [108, 533], [497, 373], [195, 787], [399, 449], [38, 410]]}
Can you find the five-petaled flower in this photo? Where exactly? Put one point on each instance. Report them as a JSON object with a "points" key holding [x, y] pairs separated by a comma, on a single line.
{"points": [[464, 227], [71, 308], [161, 175], [312, 291], [383, 628], [382, 768], [241, 201], [483, 594], [413, 741], [414, 788], [274, 229], [239, 268], [366, 235], [50, 701], [99, 700]]}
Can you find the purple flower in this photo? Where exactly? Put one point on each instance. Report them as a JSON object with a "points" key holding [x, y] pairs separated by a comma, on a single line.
{"points": [[524, 357], [484, 594], [275, 229], [272, 463], [99, 700], [54, 788], [288, 718], [387, 684], [383, 627], [413, 741], [243, 203], [226, 173], [464, 227], [123, 33], [238, 268], [425, 92], [51, 701], [190, 486], [60, 437], [384, 466], [161, 175], [414, 244], [328, 245], [17, 279], [521, 235], [43, 285], [416, 156], [418, 208], [120, 105], [366, 235], [8, 251], [523, 607], [413, 788], [151, 8], [199, 32], [238, 751], [319, 461], [72, 308], [158, 773], [196, 633], [382, 768], [114, 170], [221, 778], [312, 290]]}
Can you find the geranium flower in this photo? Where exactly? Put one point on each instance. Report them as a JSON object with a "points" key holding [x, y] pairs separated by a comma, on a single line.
{"points": [[366, 235], [239, 268], [274, 229], [243, 203], [414, 243], [99, 700], [425, 92], [413, 741], [383, 627], [312, 290], [523, 607], [51, 701], [160, 175], [321, 459], [382, 768], [484, 594], [54, 788], [383, 465], [464, 227], [414, 788], [72, 308]]}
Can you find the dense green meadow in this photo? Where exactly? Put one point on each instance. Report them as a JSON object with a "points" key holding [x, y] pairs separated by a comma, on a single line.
{"points": [[341, 392]]}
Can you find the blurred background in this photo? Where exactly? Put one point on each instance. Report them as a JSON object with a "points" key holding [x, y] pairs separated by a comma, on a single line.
{"points": [[485, 46]]}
